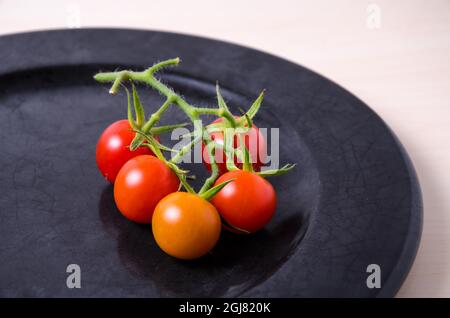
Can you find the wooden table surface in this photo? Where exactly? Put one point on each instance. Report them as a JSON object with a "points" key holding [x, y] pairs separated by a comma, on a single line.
{"points": [[394, 55]]}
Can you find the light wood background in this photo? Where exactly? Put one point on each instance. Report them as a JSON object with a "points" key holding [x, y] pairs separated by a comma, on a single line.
{"points": [[394, 55]]}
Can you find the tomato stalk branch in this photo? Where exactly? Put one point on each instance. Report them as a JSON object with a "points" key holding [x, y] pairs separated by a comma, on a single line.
{"points": [[209, 182], [192, 112], [146, 130]]}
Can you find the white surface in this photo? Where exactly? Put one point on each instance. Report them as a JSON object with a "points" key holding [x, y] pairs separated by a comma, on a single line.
{"points": [[401, 69]]}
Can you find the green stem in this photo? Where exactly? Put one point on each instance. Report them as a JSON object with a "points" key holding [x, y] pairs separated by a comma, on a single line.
{"points": [[166, 128], [228, 145], [130, 117], [225, 111], [247, 164], [138, 109], [209, 182], [184, 150], [154, 118], [181, 176], [156, 67]]}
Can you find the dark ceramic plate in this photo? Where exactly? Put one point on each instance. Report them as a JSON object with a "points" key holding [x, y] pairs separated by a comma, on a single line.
{"points": [[353, 199]]}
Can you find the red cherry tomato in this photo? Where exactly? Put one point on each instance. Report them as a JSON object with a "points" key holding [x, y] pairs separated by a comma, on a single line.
{"points": [[247, 203], [185, 225], [254, 142], [113, 149], [141, 183]]}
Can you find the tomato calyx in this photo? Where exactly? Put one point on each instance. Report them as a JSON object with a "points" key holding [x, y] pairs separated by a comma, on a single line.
{"points": [[209, 194], [137, 122], [138, 109], [277, 172]]}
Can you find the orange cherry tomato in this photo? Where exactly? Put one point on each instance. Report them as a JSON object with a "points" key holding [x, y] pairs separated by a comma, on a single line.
{"points": [[185, 225], [141, 183]]}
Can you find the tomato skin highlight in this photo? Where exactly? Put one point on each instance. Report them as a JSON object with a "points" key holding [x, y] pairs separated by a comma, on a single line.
{"points": [[247, 203], [185, 225], [112, 150], [254, 141], [141, 183]]}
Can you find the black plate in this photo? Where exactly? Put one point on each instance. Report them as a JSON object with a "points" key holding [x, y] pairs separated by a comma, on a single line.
{"points": [[353, 200]]}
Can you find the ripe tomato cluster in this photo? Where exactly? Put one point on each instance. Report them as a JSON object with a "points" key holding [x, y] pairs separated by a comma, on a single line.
{"points": [[147, 186]]}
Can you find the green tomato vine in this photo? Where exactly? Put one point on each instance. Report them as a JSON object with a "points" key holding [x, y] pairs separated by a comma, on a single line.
{"points": [[146, 131]]}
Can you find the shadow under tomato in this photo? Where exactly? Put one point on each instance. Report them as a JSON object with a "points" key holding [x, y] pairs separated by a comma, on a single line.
{"points": [[236, 263]]}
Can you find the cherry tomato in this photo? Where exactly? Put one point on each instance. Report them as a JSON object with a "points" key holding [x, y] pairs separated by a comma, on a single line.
{"points": [[141, 183], [113, 149], [247, 203], [185, 225], [254, 142]]}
